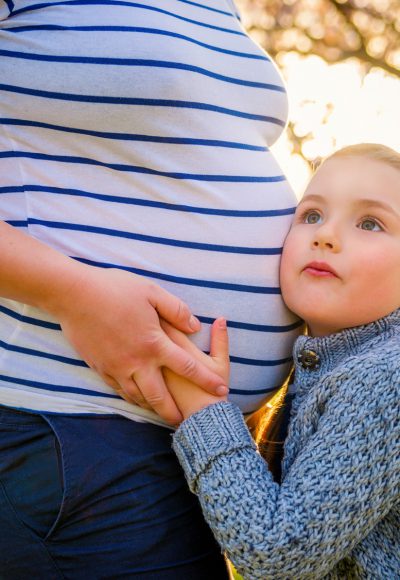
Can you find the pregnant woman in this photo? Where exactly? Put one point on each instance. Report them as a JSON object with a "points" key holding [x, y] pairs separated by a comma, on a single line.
{"points": [[135, 179]]}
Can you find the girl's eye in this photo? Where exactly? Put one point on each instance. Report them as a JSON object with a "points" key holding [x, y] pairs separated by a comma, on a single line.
{"points": [[370, 225], [311, 217]]}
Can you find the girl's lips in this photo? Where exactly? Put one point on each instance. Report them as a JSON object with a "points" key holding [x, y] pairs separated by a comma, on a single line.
{"points": [[320, 270]]}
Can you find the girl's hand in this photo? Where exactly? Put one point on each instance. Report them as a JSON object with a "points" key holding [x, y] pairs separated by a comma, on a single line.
{"points": [[188, 396], [112, 319]]}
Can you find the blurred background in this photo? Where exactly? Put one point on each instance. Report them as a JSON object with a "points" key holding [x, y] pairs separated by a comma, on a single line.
{"points": [[341, 62]]}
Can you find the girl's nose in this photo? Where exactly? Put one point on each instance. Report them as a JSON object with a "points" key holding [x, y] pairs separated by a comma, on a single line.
{"points": [[326, 238]]}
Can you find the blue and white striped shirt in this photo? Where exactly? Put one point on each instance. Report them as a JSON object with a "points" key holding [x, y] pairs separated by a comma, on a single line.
{"points": [[136, 135]]}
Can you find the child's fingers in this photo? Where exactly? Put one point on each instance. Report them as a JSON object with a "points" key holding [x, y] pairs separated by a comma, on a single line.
{"points": [[219, 348]]}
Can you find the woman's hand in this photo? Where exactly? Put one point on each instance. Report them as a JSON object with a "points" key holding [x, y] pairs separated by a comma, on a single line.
{"points": [[188, 396], [112, 319]]}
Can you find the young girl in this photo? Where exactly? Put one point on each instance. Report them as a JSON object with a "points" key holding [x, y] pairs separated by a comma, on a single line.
{"points": [[336, 512]]}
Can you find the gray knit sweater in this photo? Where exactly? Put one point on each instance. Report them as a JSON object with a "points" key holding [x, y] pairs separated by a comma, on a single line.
{"points": [[337, 512]]}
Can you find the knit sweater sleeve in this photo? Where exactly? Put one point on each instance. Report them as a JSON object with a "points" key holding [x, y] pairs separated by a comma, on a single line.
{"points": [[341, 484]]}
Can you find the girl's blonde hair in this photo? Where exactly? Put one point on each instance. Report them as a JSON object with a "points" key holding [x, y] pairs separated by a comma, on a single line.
{"points": [[373, 151]]}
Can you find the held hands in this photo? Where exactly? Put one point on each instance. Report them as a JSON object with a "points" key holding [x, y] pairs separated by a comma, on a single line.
{"points": [[188, 396], [112, 319]]}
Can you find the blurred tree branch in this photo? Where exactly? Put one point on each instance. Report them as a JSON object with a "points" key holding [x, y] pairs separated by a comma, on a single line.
{"points": [[335, 30]]}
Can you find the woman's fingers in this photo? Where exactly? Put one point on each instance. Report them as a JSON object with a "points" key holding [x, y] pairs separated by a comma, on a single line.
{"points": [[174, 310], [108, 379], [146, 386], [182, 340], [148, 390], [195, 370], [135, 396], [219, 347]]}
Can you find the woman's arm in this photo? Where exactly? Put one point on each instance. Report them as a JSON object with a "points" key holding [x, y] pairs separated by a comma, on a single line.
{"points": [[341, 484], [111, 318]]}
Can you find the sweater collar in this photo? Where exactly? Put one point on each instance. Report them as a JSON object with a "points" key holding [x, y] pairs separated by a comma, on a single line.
{"points": [[326, 352]]}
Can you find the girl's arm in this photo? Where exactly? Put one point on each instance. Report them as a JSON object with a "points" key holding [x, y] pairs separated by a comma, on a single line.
{"points": [[342, 483], [111, 318]]}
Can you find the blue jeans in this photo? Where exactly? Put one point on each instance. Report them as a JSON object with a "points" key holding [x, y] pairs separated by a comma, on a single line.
{"points": [[97, 497]]}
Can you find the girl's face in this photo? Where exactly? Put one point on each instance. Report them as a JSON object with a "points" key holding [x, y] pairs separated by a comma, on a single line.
{"points": [[341, 259]]}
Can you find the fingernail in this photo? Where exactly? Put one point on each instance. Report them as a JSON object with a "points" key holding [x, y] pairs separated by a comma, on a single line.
{"points": [[221, 391], [222, 323], [194, 323]]}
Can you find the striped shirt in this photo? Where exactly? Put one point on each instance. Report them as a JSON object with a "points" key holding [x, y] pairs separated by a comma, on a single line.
{"points": [[136, 135]]}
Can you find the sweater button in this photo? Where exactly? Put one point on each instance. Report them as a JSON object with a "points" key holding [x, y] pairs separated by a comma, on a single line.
{"points": [[308, 359]]}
